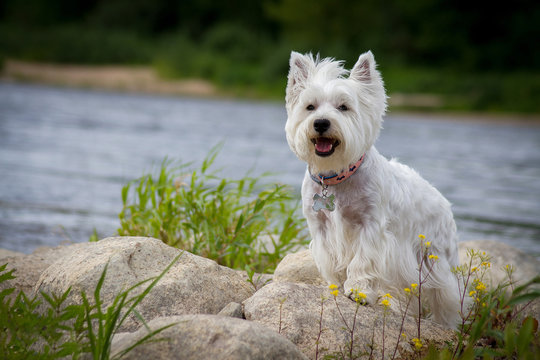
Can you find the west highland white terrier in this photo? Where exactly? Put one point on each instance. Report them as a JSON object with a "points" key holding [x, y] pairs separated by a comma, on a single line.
{"points": [[365, 213]]}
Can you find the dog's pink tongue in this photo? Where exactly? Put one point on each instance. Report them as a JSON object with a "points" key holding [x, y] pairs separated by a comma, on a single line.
{"points": [[324, 145]]}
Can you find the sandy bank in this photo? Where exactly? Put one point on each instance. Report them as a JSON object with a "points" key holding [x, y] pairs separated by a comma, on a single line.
{"points": [[122, 78]]}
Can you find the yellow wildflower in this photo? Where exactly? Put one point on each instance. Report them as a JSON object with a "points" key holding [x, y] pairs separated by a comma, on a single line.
{"points": [[433, 257], [422, 237], [334, 292], [474, 269], [472, 293], [428, 244], [486, 264], [414, 286], [388, 296], [407, 290], [360, 297], [480, 286], [417, 343], [333, 287], [385, 302]]}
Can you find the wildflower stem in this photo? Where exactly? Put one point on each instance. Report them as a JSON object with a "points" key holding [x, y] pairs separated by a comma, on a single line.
{"points": [[383, 327], [401, 326], [352, 330], [341, 314], [420, 291], [372, 347], [465, 285], [320, 330]]}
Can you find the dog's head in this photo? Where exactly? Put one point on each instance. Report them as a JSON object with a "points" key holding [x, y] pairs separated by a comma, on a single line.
{"points": [[334, 116]]}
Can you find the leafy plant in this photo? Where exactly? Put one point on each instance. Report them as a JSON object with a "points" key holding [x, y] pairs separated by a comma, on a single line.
{"points": [[238, 223], [71, 330], [110, 320]]}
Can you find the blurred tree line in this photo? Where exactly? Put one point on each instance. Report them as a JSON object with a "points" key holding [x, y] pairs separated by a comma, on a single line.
{"points": [[212, 38], [460, 33]]}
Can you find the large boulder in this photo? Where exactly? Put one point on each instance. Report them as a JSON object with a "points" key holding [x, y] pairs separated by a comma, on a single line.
{"points": [[4, 253], [298, 267], [194, 285], [28, 268], [294, 310], [207, 337], [525, 266]]}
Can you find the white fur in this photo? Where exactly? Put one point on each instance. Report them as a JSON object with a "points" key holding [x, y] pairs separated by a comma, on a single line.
{"points": [[370, 242]]}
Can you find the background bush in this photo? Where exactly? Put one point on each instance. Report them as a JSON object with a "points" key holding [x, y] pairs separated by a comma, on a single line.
{"points": [[476, 56]]}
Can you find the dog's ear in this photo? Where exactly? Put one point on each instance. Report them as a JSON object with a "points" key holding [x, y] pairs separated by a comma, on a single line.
{"points": [[364, 69], [301, 67], [365, 72]]}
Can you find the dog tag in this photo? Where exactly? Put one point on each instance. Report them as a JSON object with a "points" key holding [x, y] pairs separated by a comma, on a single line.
{"points": [[323, 202]]}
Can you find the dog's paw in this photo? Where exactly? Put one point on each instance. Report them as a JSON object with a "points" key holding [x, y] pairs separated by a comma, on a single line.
{"points": [[359, 293]]}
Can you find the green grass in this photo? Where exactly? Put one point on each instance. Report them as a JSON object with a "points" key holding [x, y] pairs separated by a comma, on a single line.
{"points": [[75, 330], [239, 223]]}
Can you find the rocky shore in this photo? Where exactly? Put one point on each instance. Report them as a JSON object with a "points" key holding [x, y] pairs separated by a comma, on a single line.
{"points": [[217, 313]]}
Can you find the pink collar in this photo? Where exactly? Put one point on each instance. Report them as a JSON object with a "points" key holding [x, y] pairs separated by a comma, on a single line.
{"points": [[337, 178]]}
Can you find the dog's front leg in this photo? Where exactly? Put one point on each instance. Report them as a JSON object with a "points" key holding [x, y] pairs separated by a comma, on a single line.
{"points": [[326, 263], [364, 269]]}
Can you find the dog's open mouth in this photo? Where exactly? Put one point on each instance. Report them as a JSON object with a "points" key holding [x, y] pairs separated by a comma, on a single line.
{"points": [[325, 146]]}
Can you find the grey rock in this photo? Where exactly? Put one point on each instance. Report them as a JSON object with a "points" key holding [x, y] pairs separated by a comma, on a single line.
{"points": [[28, 268], [208, 337], [257, 280], [294, 310], [232, 309], [4, 253], [298, 268], [193, 285], [525, 266]]}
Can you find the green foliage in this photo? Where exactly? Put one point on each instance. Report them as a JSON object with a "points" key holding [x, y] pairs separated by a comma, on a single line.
{"points": [[466, 90], [494, 326], [498, 325], [228, 55], [110, 320], [44, 327], [74, 44], [238, 223]]}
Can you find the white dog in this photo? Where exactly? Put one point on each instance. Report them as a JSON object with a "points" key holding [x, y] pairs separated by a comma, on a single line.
{"points": [[365, 213]]}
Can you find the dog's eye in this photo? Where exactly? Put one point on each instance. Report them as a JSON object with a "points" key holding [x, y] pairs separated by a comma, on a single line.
{"points": [[343, 107], [310, 107]]}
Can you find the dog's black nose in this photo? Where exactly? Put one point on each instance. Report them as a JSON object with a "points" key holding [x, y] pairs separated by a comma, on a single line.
{"points": [[321, 125]]}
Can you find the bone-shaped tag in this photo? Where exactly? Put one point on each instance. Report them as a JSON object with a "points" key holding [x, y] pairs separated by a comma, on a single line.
{"points": [[323, 202]]}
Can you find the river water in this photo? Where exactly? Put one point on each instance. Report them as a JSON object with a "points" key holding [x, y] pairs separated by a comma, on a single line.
{"points": [[65, 154]]}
